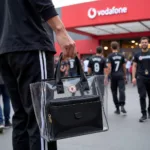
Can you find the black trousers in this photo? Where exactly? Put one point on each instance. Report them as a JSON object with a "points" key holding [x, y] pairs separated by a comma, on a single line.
{"points": [[19, 69], [143, 88], [115, 84]]}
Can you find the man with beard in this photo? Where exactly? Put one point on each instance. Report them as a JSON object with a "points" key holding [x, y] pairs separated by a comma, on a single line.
{"points": [[117, 68], [141, 66]]}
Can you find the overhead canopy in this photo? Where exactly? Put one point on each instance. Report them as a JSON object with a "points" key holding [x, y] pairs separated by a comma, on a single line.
{"points": [[119, 28]]}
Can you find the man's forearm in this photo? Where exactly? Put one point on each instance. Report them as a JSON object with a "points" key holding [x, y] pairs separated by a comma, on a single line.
{"points": [[56, 24]]}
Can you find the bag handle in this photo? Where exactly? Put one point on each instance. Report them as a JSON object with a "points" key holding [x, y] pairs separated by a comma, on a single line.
{"points": [[59, 83]]}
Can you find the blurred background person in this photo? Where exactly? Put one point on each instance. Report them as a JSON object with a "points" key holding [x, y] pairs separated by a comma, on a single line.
{"points": [[64, 68], [4, 121], [72, 67], [85, 65]]}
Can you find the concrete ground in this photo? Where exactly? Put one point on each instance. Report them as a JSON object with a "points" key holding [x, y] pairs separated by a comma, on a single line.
{"points": [[125, 133]]}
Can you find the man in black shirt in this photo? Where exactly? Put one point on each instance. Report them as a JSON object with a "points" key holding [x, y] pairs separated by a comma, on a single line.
{"points": [[97, 66], [141, 69], [117, 68], [27, 56]]}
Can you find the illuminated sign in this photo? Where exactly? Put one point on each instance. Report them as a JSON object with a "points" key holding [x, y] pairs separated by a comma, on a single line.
{"points": [[93, 12]]}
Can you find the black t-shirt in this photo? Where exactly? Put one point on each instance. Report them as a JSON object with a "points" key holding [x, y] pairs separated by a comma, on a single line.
{"points": [[23, 25], [143, 64], [97, 64], [116, 60], [72, 65]]}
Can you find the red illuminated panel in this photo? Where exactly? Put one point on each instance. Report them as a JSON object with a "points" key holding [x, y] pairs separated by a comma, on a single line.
{"points": [[107, 11]]}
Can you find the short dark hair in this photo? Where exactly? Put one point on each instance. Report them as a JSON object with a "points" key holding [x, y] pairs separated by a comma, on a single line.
{"points": [[114, 45], [99, 49], [144, 38]]}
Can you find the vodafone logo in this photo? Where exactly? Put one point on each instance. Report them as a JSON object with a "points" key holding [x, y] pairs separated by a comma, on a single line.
{"points": [[92, 13]]}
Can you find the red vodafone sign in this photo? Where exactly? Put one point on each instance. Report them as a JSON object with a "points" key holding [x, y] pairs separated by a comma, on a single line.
{"points": [[93, 12], [105, 12]]}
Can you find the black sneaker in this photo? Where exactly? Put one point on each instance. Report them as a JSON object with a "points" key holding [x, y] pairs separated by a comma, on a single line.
{"points": [[117, 111], [1, 128], [123, 110], [8, 124], [143, 118]]}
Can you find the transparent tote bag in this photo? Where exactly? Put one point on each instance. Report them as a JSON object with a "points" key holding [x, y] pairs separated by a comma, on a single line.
{"points": [[69, 107]]}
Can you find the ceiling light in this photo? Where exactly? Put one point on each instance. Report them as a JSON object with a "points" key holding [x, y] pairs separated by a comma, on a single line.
{"points": [[132, 47], [132, 41], [106, 48]]}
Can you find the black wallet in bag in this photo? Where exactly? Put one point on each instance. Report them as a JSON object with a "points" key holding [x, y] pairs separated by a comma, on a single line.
{"points": [[74, 116]]}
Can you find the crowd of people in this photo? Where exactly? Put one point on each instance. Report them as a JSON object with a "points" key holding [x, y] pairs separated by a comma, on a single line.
{"points": [[120, 71]]}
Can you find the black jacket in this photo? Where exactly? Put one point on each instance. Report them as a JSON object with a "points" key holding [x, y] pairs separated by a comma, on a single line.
{"points": [[21, 25]]}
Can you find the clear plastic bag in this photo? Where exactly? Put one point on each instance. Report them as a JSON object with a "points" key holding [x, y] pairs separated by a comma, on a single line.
{"points": [[43, 92]]}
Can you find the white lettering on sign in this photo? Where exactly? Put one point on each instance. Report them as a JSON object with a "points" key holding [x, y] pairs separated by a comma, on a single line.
{"points": [[93, 13]]}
